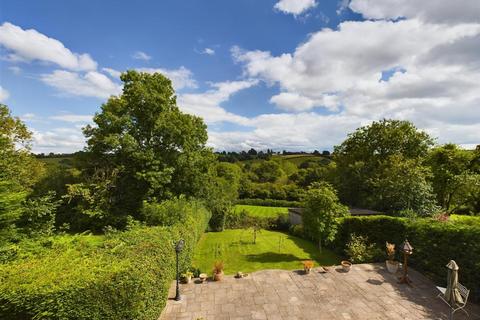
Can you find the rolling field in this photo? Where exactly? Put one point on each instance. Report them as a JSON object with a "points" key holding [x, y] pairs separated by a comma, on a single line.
{"points": [[261, 211], [272, 250]]}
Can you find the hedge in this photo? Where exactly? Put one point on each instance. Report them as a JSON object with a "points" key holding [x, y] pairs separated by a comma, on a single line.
{"points": [[127, 276], [242, 220], [270, 203], [435, 243]]}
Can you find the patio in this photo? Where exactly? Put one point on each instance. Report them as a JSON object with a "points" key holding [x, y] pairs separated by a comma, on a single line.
{"points": [[366, 292]]}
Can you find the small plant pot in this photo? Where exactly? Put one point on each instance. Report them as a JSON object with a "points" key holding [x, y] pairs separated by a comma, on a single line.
{"points": [[307, 270], [392, 266], [218, 276], [203, 277], [346, 265]]}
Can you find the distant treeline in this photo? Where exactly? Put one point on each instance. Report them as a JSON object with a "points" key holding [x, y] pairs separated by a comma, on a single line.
{"points": [[57, 155], [252, 154]]}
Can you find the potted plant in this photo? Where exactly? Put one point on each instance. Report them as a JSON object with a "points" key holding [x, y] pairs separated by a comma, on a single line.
{"points": [[218, 271], [202, 277], [187, 277], [392, 265], [307, 266], [346, 265]]}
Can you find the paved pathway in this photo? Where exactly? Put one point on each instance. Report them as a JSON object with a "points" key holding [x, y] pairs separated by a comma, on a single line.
{"points": [[366, 292]]}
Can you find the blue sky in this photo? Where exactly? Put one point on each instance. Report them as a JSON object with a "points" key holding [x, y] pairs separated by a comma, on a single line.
{"points": [[295, 75]]}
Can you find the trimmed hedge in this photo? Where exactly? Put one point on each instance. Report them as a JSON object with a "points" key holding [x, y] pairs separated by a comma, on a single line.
{"points": [[270, 203], [435, 243], [241, 220], [125, 277]]}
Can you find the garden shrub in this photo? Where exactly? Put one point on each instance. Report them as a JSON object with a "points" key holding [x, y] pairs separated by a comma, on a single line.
{"points": [[270, 203], [122, 275], [359, 250], [434, 242]]}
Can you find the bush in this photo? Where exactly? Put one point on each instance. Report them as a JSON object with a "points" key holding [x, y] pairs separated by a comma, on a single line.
{"points": [[434, 242], [168, 212], [122, 275], [270, 203], [360, 251]]}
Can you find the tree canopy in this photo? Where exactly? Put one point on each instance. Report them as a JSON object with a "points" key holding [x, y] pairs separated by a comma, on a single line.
{"points": [[364, 154], [145, 147]]}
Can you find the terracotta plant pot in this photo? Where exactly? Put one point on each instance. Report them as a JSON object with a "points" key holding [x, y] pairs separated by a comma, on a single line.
{"points": [[392, 266], [346, 265], [218, 276]]}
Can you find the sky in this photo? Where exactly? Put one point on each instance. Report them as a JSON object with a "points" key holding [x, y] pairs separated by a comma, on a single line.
{"points": [[280, 74]]}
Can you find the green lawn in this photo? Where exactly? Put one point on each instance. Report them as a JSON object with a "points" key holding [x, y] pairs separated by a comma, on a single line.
{"points": [[261, 211], [273, 250]]}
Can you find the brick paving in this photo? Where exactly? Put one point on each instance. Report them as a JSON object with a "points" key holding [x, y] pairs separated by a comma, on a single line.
{"points": [[366, 292]]}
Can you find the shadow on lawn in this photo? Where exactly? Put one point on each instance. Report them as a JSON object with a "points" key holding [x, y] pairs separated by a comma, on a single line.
{"points": [[272, 257]]}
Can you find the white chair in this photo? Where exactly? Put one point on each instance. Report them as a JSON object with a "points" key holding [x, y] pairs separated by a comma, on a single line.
{"points": [[464, 292]]}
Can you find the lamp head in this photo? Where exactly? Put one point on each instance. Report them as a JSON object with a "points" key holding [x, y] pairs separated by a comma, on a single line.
{"points": [[179, 246], [407, 247]]}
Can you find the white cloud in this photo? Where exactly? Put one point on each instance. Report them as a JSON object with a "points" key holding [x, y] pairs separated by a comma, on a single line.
{"points": [[302, 131], [91, 84], [294, 102], [208, 51], [58, 140], [207, 104], [432, 61], [112, 72], [30, 45], [74, 118], [437, 11], [140, 55], [181, 77], [295, 7], [3, 94]]}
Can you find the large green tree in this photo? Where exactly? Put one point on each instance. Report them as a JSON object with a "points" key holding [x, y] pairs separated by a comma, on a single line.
{"points": [[363, 154], [447, 163], [145, 147], [19, 170], [402, 184]]}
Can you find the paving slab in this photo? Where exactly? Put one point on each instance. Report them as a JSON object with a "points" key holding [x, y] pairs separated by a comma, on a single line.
{"points": [[367, 292]]}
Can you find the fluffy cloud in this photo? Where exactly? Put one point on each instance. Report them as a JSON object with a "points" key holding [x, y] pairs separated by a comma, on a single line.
{"points": [[139, 55], [91, 84], [112, 72], [207, 104], [3, 94], [181, 77], [289, 101], [422, 68], [295, 7], [29, 45], [437, 11], [58, 140], [208, 51], [302, 131]]}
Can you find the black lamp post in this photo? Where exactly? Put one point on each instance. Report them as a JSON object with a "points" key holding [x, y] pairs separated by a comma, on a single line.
{"points": [[178, 249], [407, 250]]}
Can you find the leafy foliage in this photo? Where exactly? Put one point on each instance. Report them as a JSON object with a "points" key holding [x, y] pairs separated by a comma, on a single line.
{"points": [[126, 275], [372, 151], [321, 210], [146, 149], [360, 251]]}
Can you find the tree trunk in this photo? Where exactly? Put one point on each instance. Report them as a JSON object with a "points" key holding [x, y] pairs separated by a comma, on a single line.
{"points": [[320, 244]]}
